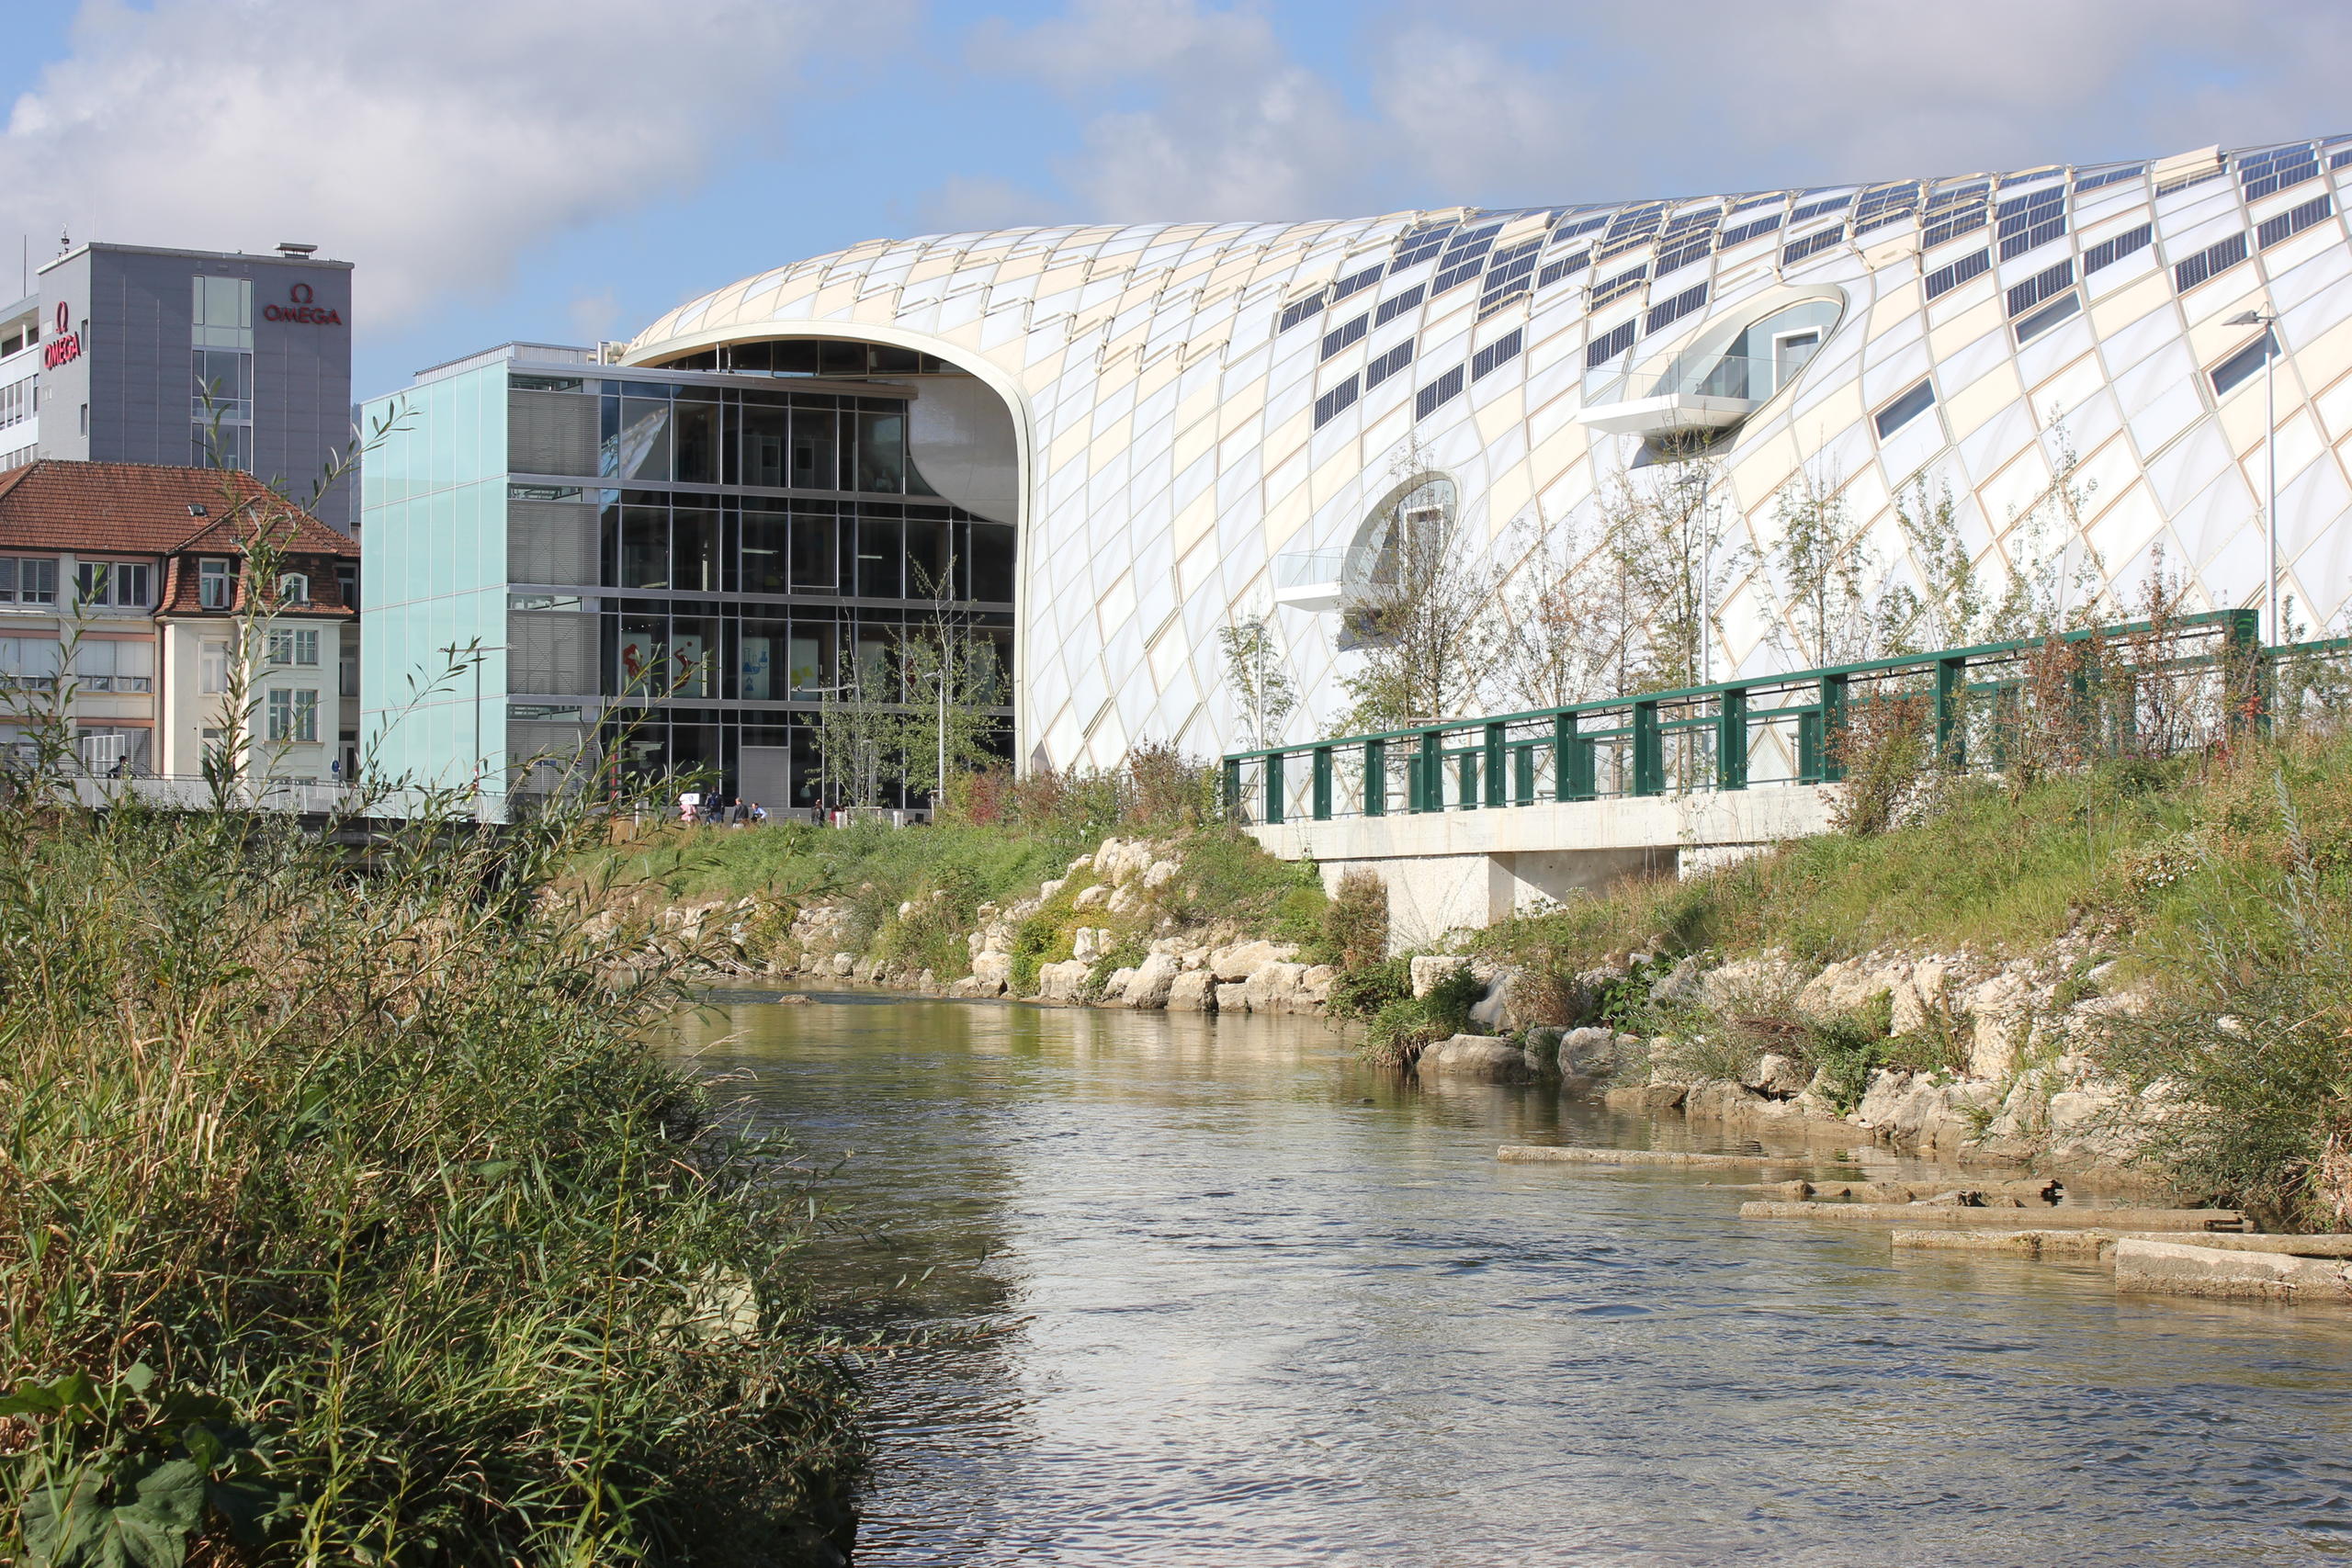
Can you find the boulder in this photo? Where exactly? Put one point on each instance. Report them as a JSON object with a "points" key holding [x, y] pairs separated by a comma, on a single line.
{"points": [[844, 964], [1232, 995], [1152, 981], [1476, 1055], [1161, 873], [1088, 942], [1125, 899], [2002, 1008], [1430, 968], [1050, 886], [993, 970], [1844, 988], [1194, 990], [1114, 989], [1600, 1055], [1062, 982], [1315, 986], [1092, 898], [1495, 1010], [1240, 962], [1274, 988], [1778, 1076]]}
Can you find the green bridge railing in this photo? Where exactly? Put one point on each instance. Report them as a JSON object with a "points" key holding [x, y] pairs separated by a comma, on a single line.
{"points": [[2146, 688]]}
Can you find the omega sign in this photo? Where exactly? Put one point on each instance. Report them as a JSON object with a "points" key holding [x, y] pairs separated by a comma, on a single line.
{"points": [[299, 309], [64, 344]]}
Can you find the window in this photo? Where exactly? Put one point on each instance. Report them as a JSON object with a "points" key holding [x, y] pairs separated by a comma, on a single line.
{"points": [[347, 583], [1341, 336], [1944, 279], [293, 714], [2049, 316], [291, 646], [346, 682], [1438, 393], [109, 666], [2035, 218], [27, 581], [118, 585], [2294, 222], [2107, 252], [1330, 404], [221, 313], [1792, 352], [213, 582], [2242, 367], [1393, 308], [1674, 310], [1386, 364], [1813, 244], [293, 588], [28, 661], [221, 335], [2206, 264], [1609, 345], [2041, 286], [1497, 354], [212, 668], [1905, 409]]}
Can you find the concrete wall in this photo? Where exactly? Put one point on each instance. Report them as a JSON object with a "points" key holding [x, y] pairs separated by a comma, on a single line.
{"points": [[1462, 870]]}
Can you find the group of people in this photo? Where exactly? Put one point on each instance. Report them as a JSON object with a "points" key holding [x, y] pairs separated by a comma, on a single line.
{"points": [[719, 810]]}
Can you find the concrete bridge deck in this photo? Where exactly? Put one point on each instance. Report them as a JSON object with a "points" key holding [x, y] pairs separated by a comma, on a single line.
{"points": [[1464, 869]]}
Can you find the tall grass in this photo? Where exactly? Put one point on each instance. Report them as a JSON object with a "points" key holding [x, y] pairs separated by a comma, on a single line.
{"points": [[345, 1216]]}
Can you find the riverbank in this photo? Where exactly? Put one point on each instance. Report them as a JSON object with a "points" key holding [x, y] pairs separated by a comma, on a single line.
{"points": [[2114, 970], [352, 1218]]}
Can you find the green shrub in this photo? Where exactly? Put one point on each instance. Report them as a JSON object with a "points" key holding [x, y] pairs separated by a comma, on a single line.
{"points": [[1355, 923], [1362, 992], [1398, 1029], [1845, 1050]]}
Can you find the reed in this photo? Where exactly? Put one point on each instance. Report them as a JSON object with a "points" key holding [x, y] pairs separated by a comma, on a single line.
{"points": [[344, 1215]]}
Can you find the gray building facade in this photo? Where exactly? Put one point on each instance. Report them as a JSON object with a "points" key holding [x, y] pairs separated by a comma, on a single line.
{"points": [[134, 354]]}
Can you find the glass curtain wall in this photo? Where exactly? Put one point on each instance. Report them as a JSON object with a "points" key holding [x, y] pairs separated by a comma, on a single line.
{"points": [[747, 542]]}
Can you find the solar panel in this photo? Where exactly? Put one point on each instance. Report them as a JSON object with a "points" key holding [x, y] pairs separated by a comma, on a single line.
{"points": [[1609, 345], [1341, 336], [1815, 208], [1555, 271], [2265, 174], [2294, 220], [2040, 287], [1674, 310], [1331, 404], [1361, 281], [1943, 280], [1299, 311], [1617, 287], [1438, 393], [1397, 304], [1499, 351], [2032, 220], [2109, 177], [1756, 229], [1386, 364], [2213, 259], [2107, 252], [1813, 244]]}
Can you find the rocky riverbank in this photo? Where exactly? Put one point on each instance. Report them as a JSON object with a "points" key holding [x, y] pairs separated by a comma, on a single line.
{"points": [[1948, 1054]]}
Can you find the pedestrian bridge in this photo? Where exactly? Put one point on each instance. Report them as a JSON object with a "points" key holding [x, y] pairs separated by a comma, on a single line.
{"points": [[1468, 820]]}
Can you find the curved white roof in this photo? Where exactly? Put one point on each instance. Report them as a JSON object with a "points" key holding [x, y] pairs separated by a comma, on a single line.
{"points": [[1195, 400]]}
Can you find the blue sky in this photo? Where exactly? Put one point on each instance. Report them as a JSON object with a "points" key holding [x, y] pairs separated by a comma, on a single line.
{"points": [[568, 169]]}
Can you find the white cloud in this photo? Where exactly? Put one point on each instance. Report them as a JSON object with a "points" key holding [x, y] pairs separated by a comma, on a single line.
{"points": [[1193, 111], [430, 142]]}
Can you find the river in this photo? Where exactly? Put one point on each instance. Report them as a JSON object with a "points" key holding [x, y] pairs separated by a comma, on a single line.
{"points": [[1212, 1292]]}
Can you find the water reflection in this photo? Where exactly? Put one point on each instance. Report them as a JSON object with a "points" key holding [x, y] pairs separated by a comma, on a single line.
{"points": [[1220, 1296]]}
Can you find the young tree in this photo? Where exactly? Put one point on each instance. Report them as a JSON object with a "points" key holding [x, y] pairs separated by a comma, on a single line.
{"points": [[952, 678], [1825, 569], [1948, 610], [860, 729], [1420, 625], [1253, 668], [1674, 547]]}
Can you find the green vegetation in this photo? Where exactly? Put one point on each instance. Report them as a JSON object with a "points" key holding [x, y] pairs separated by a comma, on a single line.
{"points": [[1406, 1024], [347, 1218]]}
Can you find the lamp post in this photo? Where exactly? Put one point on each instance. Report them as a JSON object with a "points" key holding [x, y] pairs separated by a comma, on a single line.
{"points": [[2271, 349], [474, 652]]}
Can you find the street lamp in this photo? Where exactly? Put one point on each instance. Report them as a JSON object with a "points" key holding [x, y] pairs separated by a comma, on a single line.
{"points": [[2269, 324], [474, 652]]}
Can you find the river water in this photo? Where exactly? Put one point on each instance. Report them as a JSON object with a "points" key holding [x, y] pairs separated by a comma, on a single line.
{"points": [[1211, 1293]]}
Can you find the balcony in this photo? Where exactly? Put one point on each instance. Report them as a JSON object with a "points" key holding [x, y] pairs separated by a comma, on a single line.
{"points": [[1320, 580], [1695, 391]]}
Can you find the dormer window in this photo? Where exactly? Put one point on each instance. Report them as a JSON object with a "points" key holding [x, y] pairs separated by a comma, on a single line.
{"points": [[293, 588], [214, 584]]}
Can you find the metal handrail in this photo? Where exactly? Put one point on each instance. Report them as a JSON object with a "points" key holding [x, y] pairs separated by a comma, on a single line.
{"points": [[1706, 736]]}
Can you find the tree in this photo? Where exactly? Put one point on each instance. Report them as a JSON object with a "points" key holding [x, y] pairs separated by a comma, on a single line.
{"points": [[1253, 669], [1824, 569], [952, 678], [1948, 610], [1420, 620], [1569, 621], [1675, 546], [860, 727]]}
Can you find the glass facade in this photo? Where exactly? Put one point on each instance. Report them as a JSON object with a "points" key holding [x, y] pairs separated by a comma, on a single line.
{"points": [[692, 559]]}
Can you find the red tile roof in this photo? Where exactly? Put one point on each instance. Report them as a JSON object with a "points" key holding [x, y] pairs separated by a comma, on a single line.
{"points": [[145, 509]]}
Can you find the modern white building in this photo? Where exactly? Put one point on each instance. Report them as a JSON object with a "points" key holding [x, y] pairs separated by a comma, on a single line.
{"points": [[1188, 424]]}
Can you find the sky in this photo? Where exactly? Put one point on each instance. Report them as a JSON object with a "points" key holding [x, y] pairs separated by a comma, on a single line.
{"points": [[567, 170]]}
